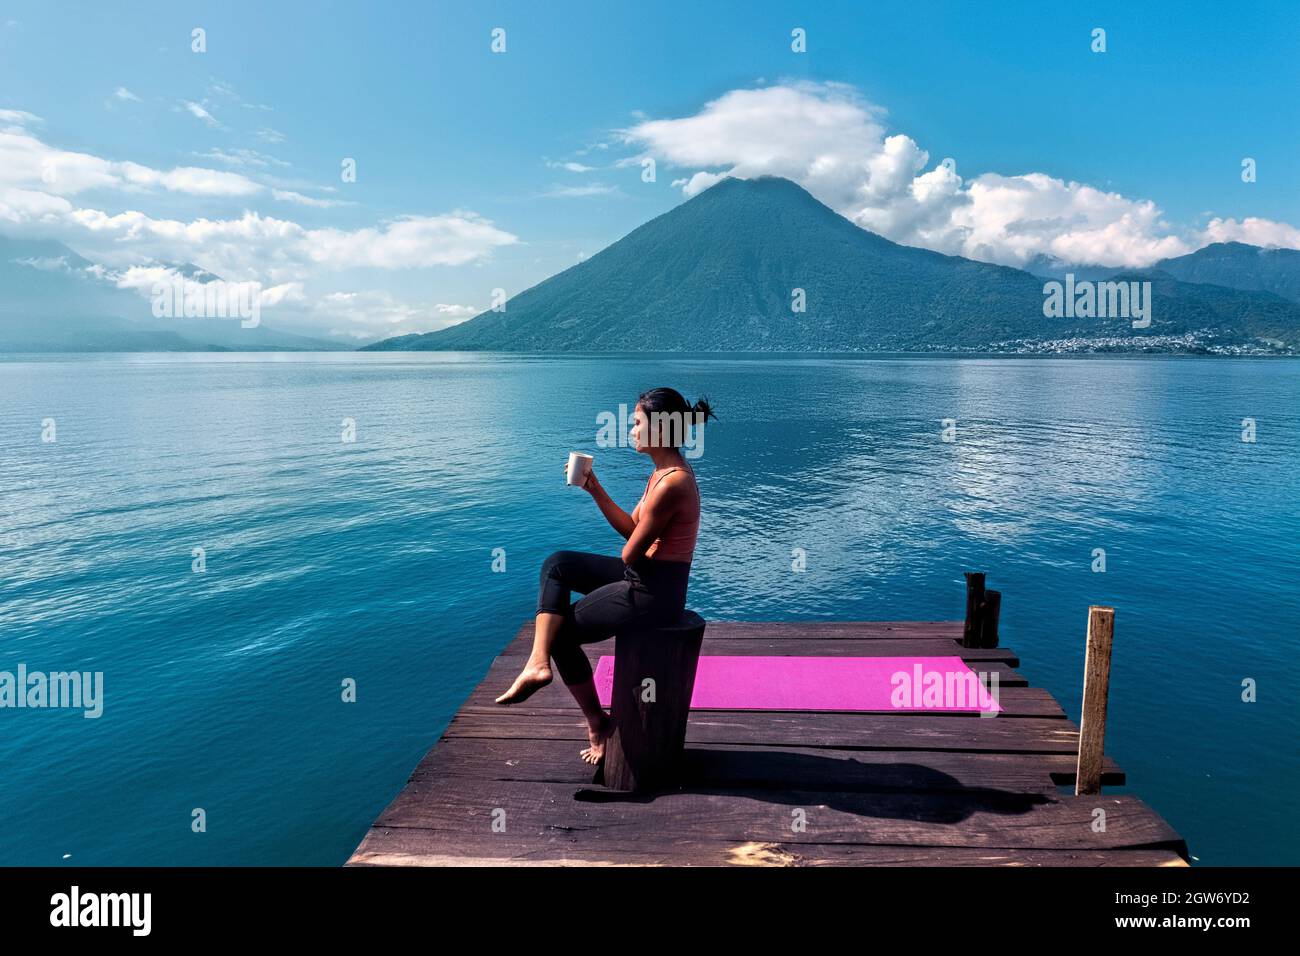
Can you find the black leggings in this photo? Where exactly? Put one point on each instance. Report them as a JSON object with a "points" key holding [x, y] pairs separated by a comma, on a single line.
{"points": [[617, 594]]}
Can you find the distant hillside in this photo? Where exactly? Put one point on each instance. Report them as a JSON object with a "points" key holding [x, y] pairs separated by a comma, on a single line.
{"points": [[1236, 265], [50, 301], [717, 273]]}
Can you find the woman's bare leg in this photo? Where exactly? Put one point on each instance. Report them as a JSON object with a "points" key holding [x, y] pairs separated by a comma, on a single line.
{"points": [[537, 671], [537, 674], [598, 723]]}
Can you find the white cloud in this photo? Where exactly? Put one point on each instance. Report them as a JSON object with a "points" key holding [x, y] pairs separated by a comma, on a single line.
{"points": [[143, 279], [835, 144], [288, 195], [198, 111], [698, 183], [32, 207], [1013, 218], [19, 118], [122, 93], [253, 246], [47, 264], [221, 88], [28, 163], [242, 158], [456, 312], [571, 167], [1254, 231], [40, 184], [571, 192], [374, 313], [410, 242], [194, 180]]}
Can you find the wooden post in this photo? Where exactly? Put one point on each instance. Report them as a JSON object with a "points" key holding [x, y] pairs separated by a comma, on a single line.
{"points": [[991, 609], [970, 635], [645, 748], [1096, 685]]}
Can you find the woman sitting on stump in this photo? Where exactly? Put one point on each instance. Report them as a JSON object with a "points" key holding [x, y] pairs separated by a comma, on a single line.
{"points": [[646, 583]]}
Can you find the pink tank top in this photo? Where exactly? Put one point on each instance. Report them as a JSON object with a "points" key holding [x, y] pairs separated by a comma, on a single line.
{"points": [[677, 541]]}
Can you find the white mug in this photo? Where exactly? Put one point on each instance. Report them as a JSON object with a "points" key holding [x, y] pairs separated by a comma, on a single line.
{"points": [[579, 467]]}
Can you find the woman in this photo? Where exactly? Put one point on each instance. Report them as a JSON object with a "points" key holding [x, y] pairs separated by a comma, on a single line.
{"points": [[645, 583]]}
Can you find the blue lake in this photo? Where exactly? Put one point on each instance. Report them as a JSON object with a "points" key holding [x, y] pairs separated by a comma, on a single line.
{"points": [[372, 560]]}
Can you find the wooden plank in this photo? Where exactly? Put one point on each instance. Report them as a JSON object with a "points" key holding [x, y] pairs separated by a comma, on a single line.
{"points": [[782, 728], [556, 761], [853, 630], [464, 807], [828, 630], [413, 846]]}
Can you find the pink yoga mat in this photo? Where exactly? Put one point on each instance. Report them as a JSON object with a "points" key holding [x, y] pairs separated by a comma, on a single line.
{"points": [[830, 683]]}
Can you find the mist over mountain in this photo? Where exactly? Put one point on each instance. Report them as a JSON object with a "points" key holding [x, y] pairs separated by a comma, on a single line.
{"points": [[1047, 267], [54, 300], [726, 270]]}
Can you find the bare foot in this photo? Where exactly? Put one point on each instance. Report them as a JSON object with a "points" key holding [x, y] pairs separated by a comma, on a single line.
{"points": [[596, 751], [530, 680]]}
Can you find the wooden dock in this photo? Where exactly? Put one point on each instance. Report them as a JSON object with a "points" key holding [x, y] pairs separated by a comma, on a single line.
{"points": [[505, 785]]}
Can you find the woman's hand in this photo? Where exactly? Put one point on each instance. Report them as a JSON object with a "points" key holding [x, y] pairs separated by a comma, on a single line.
{"points": [[589, 482], [618, 519]]}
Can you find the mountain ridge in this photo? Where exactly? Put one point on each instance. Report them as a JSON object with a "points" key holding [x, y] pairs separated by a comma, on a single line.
{"points": [[721, 272], [1237, 265]]}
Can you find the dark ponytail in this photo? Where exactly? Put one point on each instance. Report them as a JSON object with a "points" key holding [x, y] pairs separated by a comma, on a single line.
{"points": [[703, 411], [670, 401]]}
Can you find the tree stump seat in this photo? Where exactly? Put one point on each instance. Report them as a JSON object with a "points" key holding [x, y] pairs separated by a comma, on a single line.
{"points": [[654, 677]]}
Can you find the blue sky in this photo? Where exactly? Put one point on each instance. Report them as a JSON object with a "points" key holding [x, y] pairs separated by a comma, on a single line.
{"points": [[138, 152]]}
